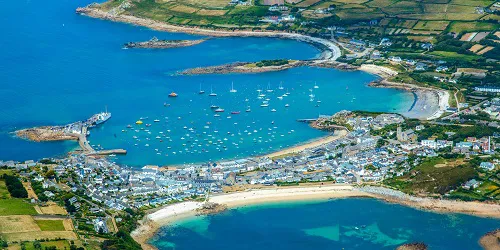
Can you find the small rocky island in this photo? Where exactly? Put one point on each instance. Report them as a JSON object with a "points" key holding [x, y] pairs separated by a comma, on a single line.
{"points": [[155, 43], [247, 67], [211, 208]]}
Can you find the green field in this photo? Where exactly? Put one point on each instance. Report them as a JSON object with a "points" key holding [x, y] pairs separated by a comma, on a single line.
{"points": [[458, 27], [453, 55], [16, 207], [434, 175], [59, 244], [4, 193], [50, 225]]}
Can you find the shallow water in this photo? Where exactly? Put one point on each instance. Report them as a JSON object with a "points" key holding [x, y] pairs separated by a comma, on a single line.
{"points": [[59, 67], [354, 223]]}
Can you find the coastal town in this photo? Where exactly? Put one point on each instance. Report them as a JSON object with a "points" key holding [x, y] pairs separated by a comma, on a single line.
{"points": [[369, 153], [441, 154]]}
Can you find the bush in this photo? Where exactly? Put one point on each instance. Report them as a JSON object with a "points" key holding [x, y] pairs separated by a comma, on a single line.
{"points": [[15, 187]]}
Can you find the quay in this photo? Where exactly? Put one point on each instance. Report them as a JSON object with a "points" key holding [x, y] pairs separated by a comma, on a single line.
{"points": [[307, 120], [108, 152], [74, 131]]}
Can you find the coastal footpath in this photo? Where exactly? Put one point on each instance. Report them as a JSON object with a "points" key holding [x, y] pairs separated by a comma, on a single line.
{"points": [[171, 213], [332, 50]]}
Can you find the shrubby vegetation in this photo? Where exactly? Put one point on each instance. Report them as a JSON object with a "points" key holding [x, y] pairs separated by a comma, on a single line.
{"points": [[266, 63], [15, 187]]}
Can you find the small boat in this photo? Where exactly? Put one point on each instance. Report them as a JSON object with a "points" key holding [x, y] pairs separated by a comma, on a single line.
{"points": [[212, 92], [316, 86], [156, 120], [269, 88], [248, 110], [214, 106], [235, 112], [201, 91], [148, 125], [280, 97], [129, 126], [281, 86], [216, 115], [173, 94], [219, 110], [139, 122], [287, 105], [264, 105], [232, 88], [273, 110]]}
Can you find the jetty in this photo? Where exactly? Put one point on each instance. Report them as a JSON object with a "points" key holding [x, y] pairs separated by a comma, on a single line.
{"points": [[307, 120], [74, 131]]}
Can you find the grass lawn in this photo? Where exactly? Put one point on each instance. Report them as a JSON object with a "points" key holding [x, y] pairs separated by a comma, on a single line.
{"points": [[4, 193], [16, 207], [50, 225]]}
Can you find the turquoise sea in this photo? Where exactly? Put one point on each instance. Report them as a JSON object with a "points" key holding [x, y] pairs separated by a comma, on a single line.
{"points": [[355, 223], [59, 67]]}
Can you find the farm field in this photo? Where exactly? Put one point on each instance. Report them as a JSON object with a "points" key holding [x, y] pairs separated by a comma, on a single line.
{"points": [[14, 206], [50, 225]]}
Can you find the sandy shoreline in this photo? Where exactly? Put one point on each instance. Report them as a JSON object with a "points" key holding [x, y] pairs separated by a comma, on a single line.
{"points": [[169, 214], [316, 143], [430, 103]]}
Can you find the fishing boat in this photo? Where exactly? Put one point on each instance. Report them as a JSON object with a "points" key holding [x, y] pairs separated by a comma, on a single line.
{"points": [[173, 94], [212, 92], [201, 92], [139, 122], [235, 112], [232, 88], [219, 110]]}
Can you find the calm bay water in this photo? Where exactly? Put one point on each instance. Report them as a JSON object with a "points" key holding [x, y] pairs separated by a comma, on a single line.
{"points": [[58, 67], [335, 224]]}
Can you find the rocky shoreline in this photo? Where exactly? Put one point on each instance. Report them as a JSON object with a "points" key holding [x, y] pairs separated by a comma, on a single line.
{"points": [[241, 67], [491, 240], [46, 133], [156, 43]]}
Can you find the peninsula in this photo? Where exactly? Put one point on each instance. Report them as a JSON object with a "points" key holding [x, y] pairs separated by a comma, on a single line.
{"points": [[155, 43]]}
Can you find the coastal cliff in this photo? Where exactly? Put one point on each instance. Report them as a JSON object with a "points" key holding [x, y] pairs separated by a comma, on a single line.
{"points": [[156, 43]]}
